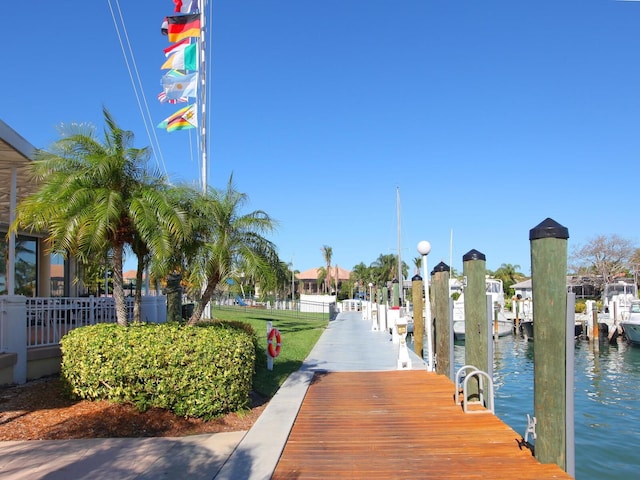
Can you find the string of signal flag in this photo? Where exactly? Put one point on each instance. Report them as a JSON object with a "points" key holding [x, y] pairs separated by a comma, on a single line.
{"points": [[180, 83]]}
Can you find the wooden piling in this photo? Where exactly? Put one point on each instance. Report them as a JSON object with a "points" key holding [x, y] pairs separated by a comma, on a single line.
{"points": [[443, 329], [548, 273], [417, 290], [395, 293], [476, 323], [518, 304]]}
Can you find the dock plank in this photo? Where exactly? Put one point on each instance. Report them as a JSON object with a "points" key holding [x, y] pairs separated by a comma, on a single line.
{"points": [[399, 424]]}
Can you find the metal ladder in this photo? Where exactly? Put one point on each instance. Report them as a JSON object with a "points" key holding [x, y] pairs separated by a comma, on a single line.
{"points": [[463, 375]]}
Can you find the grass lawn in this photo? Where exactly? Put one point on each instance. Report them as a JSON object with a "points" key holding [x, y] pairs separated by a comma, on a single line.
{"points": [[299, 331]]}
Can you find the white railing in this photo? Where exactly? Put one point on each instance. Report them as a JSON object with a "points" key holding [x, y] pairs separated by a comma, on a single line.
{"points": [[49, 319]]}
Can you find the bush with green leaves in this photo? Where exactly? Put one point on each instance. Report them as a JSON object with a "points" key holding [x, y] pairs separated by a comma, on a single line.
{"points": [[202, 371]]}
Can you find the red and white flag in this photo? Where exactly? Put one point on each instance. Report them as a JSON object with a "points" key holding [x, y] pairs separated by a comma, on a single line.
{"points": [[186, 6]]}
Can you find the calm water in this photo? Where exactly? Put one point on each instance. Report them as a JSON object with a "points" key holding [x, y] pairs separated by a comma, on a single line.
{"points": [[607, 402]]}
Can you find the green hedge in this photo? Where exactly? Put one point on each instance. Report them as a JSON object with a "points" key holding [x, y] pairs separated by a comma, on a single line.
{"points": [[201, 372]]}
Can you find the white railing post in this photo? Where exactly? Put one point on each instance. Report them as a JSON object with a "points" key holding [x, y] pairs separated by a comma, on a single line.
{"points": [[14, 338]]}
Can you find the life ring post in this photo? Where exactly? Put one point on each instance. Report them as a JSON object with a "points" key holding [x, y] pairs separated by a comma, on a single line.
{"points": [[269, 357]]}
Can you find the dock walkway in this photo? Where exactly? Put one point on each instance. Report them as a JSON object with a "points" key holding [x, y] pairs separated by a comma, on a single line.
{"points": [[349, 413]]}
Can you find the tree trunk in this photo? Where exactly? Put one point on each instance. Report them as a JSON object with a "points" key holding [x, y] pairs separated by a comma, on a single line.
{"points": [[174, 298], [206, 298], [137, 299], [118, 288]]}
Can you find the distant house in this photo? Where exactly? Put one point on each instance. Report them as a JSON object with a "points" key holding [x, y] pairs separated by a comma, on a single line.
{"points": [[308, 280], [523, 288], [582, 286]]}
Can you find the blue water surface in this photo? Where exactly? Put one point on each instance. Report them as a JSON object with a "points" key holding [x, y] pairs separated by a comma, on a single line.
{"points": [[606, 402]]}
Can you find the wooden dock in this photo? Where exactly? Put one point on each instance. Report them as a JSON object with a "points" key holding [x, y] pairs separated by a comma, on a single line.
{"points": [[400, 424]]}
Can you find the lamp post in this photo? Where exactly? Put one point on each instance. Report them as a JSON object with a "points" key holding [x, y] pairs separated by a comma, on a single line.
{"points": [[424, 248], [370, 302]]}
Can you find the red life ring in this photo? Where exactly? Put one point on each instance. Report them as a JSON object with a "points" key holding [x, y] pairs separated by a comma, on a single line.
{"points": [[274, 351]]}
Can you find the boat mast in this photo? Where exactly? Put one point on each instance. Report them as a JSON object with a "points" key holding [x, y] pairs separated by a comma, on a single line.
{"points": [[203, 94], [400, 279]]}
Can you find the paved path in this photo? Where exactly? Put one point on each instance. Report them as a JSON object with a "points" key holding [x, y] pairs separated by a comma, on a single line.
{"points": [[348, 344]]}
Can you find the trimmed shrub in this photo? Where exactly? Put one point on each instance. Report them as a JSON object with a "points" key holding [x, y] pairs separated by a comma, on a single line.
{"points": [[201, 372]]}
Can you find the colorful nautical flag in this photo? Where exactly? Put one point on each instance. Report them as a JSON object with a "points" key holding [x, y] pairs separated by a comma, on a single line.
{"points": [[179, 123], [186, 6], [184, 59], [183, 26], [183, 119], [174, 116], [190, 116], [176, 47], [162, 98], [180, 86]]}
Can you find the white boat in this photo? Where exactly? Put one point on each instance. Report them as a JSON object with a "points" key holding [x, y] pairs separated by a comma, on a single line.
{"points": [[617, 298], [616, 304], [500, 324], [631, 325]]}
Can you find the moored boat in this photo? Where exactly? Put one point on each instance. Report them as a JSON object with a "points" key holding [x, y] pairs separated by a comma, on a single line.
{"points": [[500, 324], [631, 325]]}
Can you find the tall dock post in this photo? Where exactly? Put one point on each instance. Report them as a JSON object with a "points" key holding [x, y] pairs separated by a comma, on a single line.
{"points": [[395, 292], [383, 304], [476, 319], [548, 276], [418, 318], [443, 325]]}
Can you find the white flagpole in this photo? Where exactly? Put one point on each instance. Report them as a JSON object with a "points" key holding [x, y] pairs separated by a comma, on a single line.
{"points": [[203, 94]]}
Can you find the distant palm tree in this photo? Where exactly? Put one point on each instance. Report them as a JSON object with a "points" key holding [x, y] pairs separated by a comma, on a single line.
{"points": [[417, 262], [327, 253], [321, 275], [96, 198], [223, 238], [384, 269], [361, 275], [509, 275]]}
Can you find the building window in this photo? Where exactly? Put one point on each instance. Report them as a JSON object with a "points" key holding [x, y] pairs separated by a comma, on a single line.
{"points": [[57, 275], [26, 266]]}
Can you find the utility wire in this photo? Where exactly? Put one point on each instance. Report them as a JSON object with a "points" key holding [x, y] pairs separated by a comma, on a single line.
{"points": [[153, 139]]}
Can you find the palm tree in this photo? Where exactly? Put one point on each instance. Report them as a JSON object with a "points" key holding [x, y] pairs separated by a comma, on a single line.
{"points": [[327, 253], [509, 275], [417, 263], [97, 198], [321, 275], [222, 238], [361, 275], [384, 269]]}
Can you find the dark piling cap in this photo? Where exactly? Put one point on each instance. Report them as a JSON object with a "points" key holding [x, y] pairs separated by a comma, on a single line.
{"points": [[548, 229], [395, 280], [416, 278], [473, 255], [441, 267]]}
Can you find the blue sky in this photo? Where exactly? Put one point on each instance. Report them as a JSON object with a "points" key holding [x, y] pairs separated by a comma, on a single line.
{"points": [[488, 116]]}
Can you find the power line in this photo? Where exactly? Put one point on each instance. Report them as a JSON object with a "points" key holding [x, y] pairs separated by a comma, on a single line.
{"points": [[153, 139]]}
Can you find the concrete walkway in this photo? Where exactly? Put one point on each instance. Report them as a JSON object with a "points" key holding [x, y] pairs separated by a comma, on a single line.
{"points": [[348, 344]]}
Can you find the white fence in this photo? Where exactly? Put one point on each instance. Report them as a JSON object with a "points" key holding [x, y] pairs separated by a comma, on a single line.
{"points": [[49, 319], [29, 323]]}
